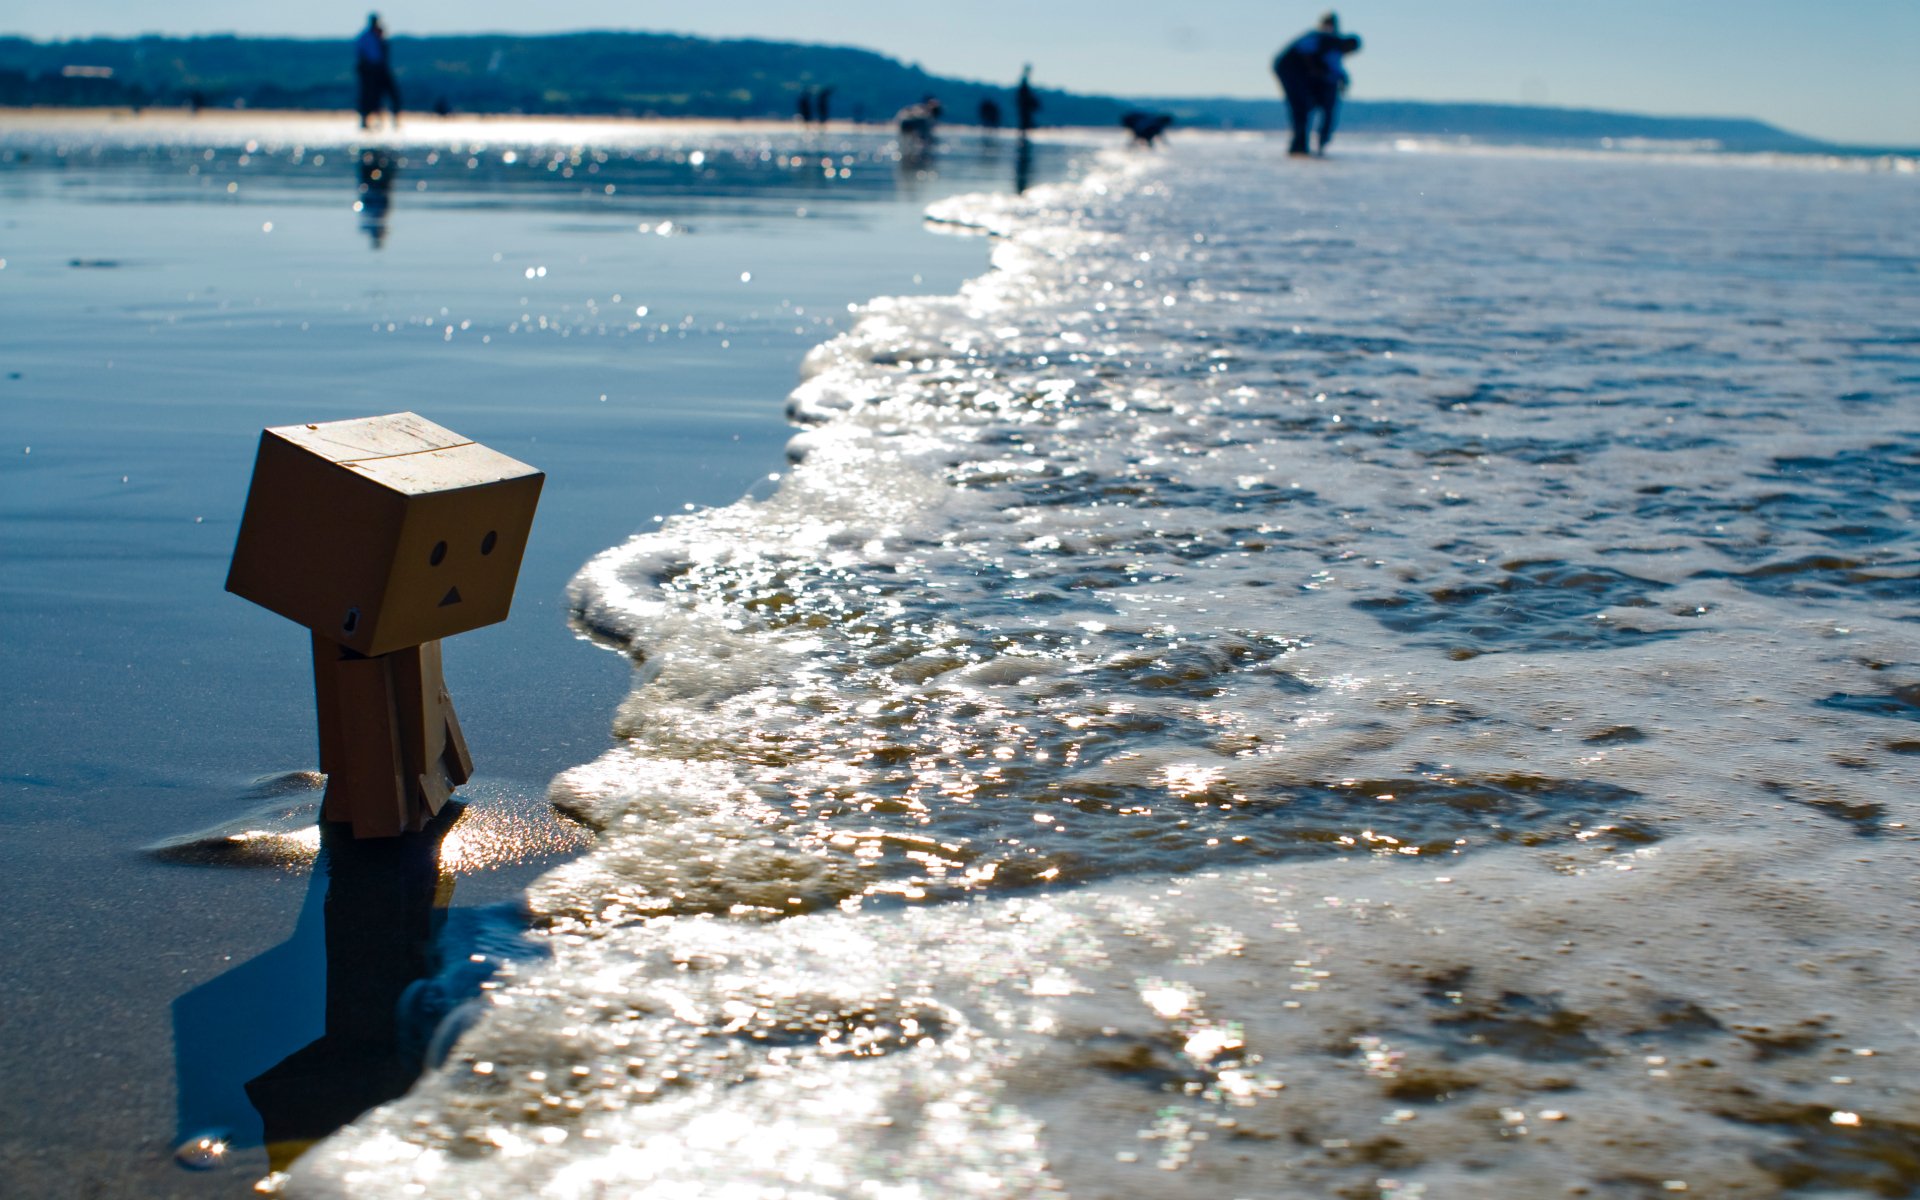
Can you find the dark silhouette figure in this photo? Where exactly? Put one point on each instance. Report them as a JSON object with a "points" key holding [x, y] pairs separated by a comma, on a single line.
{"points": [[1023, 164], [442, 107], [989, 113], [803, 107], [823, 105], [917, 123], [373, 68], [1146, 127], [919, 120], [1312, 77], [1026, 101], [385, 903], [377, 169], [343, 981]]}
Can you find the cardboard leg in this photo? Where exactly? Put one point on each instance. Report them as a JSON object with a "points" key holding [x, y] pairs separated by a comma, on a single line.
{"points": [[326, 700], [390, 741], [458, 763], [407, 669], [434, 751], [360, 748]]}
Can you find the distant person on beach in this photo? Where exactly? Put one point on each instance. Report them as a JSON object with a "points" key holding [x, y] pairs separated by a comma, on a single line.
{"points": [[1026, 102], [373, 68], [1312, 77], [916, 124], [989, 113], [823, 105], [919, 120], [803, 107]]}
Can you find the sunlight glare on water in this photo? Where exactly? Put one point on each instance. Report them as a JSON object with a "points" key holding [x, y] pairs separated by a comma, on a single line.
{"points": [[1290, 667]]}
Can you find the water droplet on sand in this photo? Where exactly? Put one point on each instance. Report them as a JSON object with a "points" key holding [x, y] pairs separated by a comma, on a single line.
{"points": [[203, 1152]]}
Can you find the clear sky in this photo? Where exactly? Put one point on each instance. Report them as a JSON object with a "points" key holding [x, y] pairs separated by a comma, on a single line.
{"points": [[1847, 70]]}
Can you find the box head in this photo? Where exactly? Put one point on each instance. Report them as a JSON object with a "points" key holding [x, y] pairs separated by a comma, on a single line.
{"points": [[383, 532]]}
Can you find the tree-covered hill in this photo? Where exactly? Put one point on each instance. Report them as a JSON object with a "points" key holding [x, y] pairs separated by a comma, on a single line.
{"points": [[642, 74], [623, 73]]}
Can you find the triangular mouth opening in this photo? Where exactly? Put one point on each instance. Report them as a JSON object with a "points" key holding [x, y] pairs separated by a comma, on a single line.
{"points": [[452, 597]]}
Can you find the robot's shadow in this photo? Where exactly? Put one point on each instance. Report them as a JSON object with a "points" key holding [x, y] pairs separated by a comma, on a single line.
{"points": [[343, 983]]}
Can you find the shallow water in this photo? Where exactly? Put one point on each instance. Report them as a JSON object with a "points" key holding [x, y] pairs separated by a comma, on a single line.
{"points": [[1384, 677], [172, 285]]}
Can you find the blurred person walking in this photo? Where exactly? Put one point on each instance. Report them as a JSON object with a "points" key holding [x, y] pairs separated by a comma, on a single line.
{"points": [[1026, 101], [1312, 77], [373, 69]]}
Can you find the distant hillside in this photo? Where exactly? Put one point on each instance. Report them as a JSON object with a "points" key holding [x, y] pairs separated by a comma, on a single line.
{"points": [[1501, 123], [623, 73], [643, 74]]}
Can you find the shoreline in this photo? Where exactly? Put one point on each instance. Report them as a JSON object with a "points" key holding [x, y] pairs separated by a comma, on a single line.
{"points": [[1585, 770], [49, 115], [77, 115], [150, 703]]}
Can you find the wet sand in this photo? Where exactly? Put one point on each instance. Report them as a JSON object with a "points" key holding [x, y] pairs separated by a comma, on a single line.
{"points": [[172, 286]]}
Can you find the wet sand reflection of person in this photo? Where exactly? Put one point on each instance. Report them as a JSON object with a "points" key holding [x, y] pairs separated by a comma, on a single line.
{"points": [[377, 169]]}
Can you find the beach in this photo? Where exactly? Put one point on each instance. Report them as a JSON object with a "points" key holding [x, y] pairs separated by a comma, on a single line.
{"points": [[171, 292], [1389, 676], [1386, 677]]}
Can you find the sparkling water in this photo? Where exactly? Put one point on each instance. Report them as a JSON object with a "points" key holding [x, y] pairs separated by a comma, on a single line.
{"points": [[1392, 676]]}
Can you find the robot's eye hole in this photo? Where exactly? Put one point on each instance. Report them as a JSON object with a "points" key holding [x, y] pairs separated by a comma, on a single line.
{"points": [[488, 542], [352, 621], [439, 554]]}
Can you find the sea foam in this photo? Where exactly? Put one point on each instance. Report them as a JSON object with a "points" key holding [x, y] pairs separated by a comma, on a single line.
{"points": [[1388, 677]]}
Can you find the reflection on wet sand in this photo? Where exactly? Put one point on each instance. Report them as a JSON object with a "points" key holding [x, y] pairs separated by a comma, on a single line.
{"points": [[377, 169], [386, 899], [918, 160], [346, 982], [95, 1082], [505, 830]]}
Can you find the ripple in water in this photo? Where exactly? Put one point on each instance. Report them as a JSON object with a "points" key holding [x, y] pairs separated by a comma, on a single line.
{"points": [[204, 1152]]}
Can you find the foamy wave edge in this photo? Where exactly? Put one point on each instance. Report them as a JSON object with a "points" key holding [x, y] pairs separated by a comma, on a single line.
{"points": [[841, 407]]}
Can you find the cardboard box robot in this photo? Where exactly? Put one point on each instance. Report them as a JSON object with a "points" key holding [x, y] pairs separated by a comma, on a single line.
{"points": [[383, 535]]}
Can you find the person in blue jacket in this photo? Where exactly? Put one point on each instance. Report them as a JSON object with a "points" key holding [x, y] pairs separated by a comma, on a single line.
{"points": [[1312, 77], [373, 69]]}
